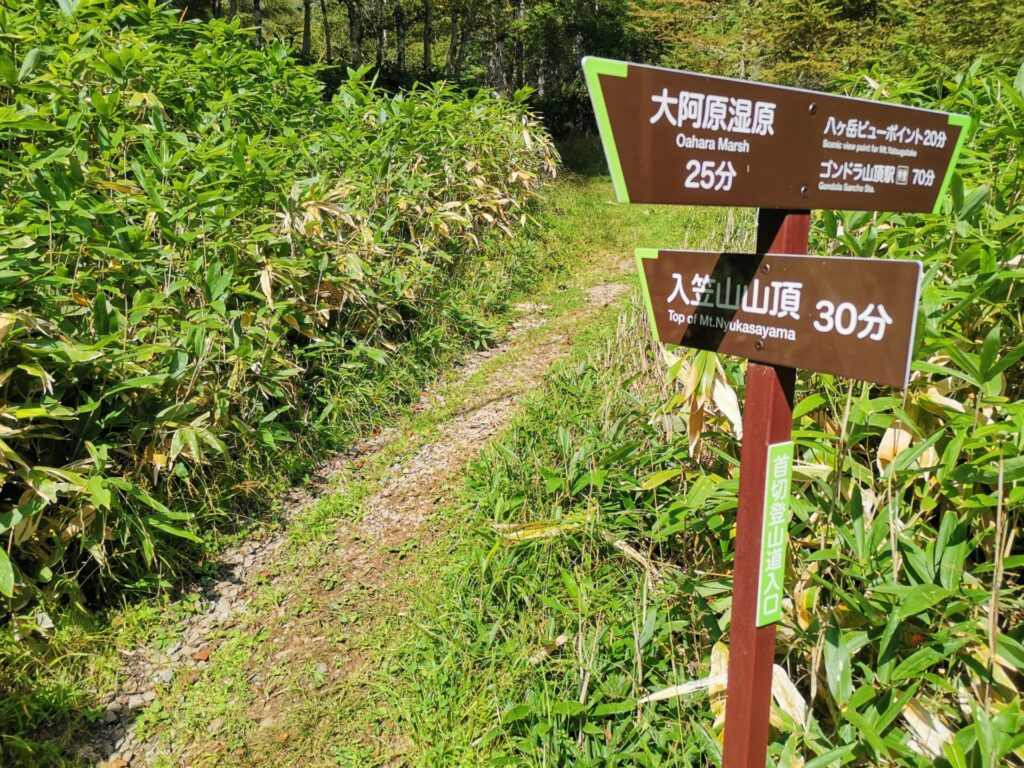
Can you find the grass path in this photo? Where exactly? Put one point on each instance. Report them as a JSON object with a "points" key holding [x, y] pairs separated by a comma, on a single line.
{"points": [[278, 664]]}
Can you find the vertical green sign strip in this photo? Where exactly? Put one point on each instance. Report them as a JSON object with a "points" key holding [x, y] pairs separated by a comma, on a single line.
{"points": [[774, 533], [592, 68]]}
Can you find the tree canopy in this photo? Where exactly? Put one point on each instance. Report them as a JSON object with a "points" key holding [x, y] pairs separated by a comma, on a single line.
{"points": [[505, 45]]}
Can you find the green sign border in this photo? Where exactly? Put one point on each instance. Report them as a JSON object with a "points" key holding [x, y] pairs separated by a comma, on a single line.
{"points": [[592, 67], [964, 121], [775, 451], [641, 254]]}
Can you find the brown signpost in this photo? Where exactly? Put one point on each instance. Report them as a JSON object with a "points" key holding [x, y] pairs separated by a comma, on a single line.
{"points": [[685, 138], [692, 139]]}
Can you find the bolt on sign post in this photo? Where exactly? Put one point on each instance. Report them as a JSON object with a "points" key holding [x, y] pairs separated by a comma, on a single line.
{"points": [[684, 138]]}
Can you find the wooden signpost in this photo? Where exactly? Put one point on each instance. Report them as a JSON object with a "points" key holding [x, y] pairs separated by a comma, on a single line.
{"points": [[690, 139]]}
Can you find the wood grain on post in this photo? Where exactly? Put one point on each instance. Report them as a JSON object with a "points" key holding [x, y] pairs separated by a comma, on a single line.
{"points": [[767, 419]]}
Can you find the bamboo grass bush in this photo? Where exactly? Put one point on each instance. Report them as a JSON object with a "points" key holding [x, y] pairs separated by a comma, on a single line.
{"points": [[200, 260]]}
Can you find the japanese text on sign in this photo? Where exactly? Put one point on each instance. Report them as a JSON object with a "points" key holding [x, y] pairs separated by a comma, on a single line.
{"points": [[901, 134], [774, 533], [731, 115], [778, 299], [708, 112]]}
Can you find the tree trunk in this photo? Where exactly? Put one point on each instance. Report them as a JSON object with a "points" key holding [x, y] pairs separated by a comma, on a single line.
{"points": [[399, 36], [257, 16], [453, 42], [496, 55], [519, 65], [233, 9], [307, 27], [428, 35], [381, 12], [467, 25], [327, 31], [355, 33]]}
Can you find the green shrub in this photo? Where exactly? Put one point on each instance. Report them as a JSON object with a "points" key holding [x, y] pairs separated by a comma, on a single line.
{"points": [[200, 259]]}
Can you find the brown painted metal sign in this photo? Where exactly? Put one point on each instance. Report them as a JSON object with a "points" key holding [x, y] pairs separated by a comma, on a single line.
{"points": [[686, 138], [847, 316]]}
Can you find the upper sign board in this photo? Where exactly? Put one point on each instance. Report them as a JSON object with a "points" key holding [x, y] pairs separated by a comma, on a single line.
{"points": [[690, 139], [848, 316]]}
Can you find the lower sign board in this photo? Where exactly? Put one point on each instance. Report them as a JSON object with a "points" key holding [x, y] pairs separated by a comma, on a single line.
{"points": [[853, 317]]}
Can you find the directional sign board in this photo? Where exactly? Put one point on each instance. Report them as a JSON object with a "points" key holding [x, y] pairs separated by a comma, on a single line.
{"points": [[847, 316], [685, 138]]}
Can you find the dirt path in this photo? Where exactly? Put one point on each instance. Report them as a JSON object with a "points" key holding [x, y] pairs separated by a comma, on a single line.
{"points": [[270, 663], [286, 607]]}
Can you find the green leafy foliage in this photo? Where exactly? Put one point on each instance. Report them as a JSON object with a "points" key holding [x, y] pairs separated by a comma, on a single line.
{"points": [[537, 44], [814, 43], [609, 513], [202, 263]]}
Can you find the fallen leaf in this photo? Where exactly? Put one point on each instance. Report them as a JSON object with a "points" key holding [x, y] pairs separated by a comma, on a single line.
{"points": [[683, 689], [727, 402], [805, 471], [894, 442], [548, 649], [719, 672], [928, 733], [934, 401], [928, 459], [694, 423], [265, 278], [787, 697], [7, 321], [805, 596], [202, 654]]}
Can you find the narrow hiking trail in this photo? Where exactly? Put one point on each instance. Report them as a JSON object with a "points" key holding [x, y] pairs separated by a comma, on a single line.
{"points": [[271, 665]]}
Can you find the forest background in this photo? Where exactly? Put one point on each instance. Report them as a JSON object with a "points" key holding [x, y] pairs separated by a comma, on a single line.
{"points": [[505, 46]]}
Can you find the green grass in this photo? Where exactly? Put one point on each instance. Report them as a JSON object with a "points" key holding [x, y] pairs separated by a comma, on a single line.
{"points": [[533, 652], [80, 660], [344, 722]]}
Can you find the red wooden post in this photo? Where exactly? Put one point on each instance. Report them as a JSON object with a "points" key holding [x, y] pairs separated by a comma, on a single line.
{"points": [[767, 419]]}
